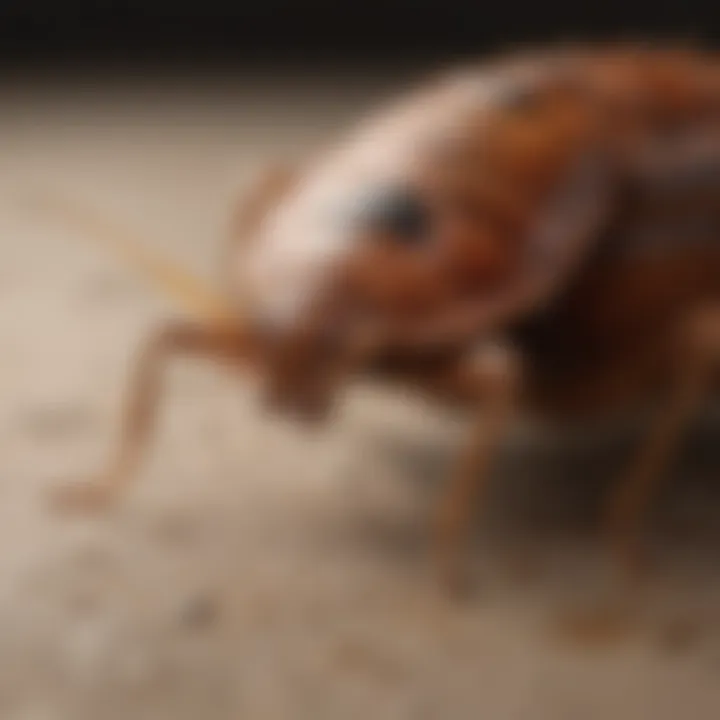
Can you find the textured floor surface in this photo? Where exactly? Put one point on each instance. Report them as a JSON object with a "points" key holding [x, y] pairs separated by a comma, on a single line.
{"points": [[254, 571]]}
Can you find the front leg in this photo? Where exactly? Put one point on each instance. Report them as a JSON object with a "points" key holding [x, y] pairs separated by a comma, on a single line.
{"points": [[144, 396], [491, 378]]}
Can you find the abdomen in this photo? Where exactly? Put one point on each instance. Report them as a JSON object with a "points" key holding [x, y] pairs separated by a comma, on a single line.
{"points": [[610, 342]]}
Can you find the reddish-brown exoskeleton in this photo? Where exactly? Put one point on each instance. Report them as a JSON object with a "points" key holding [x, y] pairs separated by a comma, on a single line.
{"points": [[539, 234]]}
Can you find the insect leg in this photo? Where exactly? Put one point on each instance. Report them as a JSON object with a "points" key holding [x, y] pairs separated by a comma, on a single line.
{"points": [[144, 397], [493, 378], [693, 378]]}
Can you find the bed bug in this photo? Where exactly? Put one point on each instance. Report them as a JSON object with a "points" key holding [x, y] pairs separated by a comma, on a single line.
{"points": [[537, 234]]}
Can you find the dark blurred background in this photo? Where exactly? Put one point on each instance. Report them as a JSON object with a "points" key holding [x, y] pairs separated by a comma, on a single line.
{"points": [[84, 33]]}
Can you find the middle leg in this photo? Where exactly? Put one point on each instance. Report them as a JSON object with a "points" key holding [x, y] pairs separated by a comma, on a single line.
{"points": [[492, 379]]}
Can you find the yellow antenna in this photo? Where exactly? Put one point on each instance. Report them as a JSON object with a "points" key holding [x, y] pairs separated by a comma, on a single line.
{"points": [[180, 286]]}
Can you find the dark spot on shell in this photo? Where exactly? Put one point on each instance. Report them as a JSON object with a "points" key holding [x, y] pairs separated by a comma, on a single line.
{"points": [[396, 211]]}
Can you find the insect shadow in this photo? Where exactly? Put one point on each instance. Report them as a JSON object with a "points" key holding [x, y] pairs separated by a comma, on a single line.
{"points": [[544, 500]]}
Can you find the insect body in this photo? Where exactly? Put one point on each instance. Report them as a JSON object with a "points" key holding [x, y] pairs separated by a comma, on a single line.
{"points": [[541, 233]]}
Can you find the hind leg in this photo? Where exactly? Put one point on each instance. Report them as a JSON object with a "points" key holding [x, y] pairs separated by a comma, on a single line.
{"points": [[144, 397], [698, 359]]}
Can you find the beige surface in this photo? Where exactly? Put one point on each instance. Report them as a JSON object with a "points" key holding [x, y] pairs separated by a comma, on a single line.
{"points": [[256, 572]]}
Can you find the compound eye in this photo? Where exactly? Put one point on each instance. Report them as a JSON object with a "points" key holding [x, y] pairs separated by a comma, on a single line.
{"points": [[396, 212]]}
